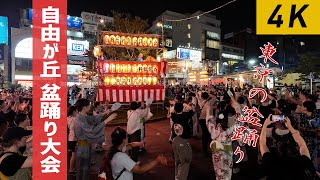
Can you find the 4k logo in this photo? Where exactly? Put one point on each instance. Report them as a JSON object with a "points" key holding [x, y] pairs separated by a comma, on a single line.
{"points": [[288, 17], [293, 16]]}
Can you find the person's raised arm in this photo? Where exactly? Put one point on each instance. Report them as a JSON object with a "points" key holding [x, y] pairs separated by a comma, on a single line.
{"points": [[293, 100], [263, 137], [16, 104], [145, 168], [110, 118], [297, 137], [133, 145], [5, 109]]}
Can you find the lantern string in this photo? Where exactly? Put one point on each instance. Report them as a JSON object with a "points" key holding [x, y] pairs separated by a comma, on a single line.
{"points": [[198, 16]]}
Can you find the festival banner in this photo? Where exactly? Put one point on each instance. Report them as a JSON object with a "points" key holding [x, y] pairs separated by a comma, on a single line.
{"points": [[49, 89]]}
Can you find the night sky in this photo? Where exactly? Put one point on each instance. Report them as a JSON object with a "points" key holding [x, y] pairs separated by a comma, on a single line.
{"points": [[235, 16]]}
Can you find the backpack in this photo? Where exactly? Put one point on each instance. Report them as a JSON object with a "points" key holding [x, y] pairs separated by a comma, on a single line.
{"points": [[105, 172]]}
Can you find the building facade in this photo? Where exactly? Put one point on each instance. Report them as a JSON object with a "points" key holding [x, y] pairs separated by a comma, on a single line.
{"points": [[247, 40], [231, 59], [189, 32], [80, 34]]}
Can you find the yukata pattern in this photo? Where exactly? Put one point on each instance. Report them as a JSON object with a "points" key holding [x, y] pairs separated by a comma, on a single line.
{"points": [[222, 160]]}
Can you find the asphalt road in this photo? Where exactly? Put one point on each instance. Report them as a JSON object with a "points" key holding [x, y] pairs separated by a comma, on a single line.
{"points": [[157, 134]]}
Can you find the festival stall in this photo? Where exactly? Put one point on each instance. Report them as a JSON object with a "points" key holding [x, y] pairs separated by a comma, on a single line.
{"points": [[126, 81]]}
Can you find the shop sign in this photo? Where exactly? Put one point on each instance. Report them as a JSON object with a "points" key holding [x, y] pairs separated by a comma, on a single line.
{"points": [[77, 47]]}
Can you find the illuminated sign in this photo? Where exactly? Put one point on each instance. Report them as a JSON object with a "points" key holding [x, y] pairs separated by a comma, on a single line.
{"points": [[3, 30], [167, 26], [77, 47], [72, 21], [189, 54], [130, 40], [91, 18]]}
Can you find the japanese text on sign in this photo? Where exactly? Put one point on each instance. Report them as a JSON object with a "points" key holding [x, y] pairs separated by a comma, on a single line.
{"points": [[49, 86], [50, 101]]}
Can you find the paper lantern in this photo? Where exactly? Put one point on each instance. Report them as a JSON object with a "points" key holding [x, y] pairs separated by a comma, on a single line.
{"points": [[154, 80], [155, 42], [124, 81], [128, 41], [145, 68], [129, 68], [112, 68], [106, 39], [150, 69], [118, 40], [140, 43], [145, 41], [150, 42], [129, 80], [140, 68], [134, 41], [112, 39], [134, 68], [145, 82], [149, 80], [124, 68], [139, 82], [123, 40], [155, 69]]}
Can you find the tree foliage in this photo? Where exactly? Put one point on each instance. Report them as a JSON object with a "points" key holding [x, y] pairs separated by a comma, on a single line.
{"points": [[308, 63], [125, 23]]}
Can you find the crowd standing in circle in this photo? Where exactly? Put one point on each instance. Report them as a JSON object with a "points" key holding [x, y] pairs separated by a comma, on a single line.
{"points": [[286, 149]]}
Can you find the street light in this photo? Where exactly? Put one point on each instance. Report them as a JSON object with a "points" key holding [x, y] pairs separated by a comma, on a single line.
{"points": [[160, 24], [252, 62]]}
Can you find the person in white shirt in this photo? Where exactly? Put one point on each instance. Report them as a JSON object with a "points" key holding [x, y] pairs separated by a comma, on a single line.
{"points": [[142, 124], [134, 126], [122, 165], [72, 142]]}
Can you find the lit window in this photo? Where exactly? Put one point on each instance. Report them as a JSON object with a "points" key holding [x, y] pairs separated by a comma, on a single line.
{"points": [[189, 35], [213, 35], [168, 42], [231, 56], [213, 44], [189, 45], [189, 26]]}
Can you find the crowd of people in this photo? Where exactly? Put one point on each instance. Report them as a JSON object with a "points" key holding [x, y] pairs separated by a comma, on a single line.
{"points": [[16, 134], [288, 148], [288, 122]]}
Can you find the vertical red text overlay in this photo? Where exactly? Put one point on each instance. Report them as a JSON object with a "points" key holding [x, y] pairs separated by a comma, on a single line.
{"points": [[49, 68]]}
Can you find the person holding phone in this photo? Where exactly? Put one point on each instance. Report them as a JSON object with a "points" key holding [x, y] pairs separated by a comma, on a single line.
{"points": [[289, 165]]}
